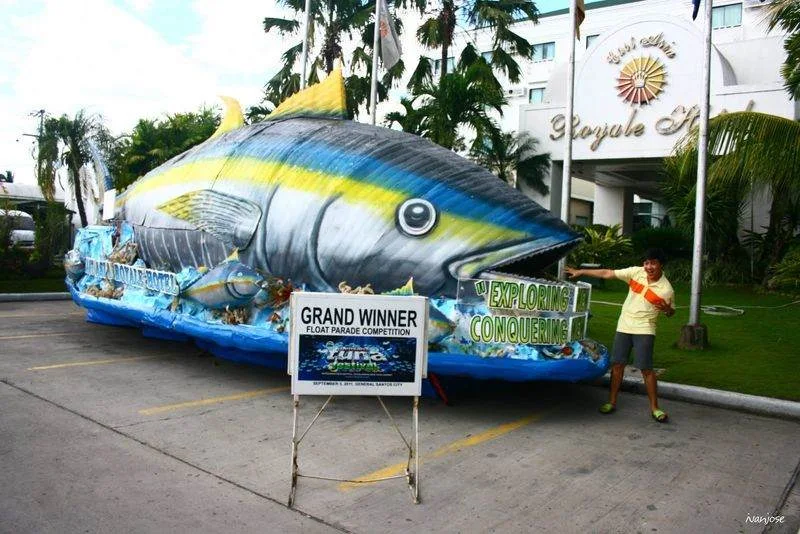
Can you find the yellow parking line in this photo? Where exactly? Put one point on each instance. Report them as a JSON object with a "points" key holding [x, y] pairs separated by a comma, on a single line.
{"points": [[41, 335], [471, 441], [89, 362], [213, 400]]}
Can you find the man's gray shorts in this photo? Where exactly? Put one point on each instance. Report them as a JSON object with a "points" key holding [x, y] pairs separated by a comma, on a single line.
{"points": [[642, 345]]}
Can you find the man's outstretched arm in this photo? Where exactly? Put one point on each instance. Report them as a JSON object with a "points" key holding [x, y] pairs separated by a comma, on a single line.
{"points": [[606, 274]]}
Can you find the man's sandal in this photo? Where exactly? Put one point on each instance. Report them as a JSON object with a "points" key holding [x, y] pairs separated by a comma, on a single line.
{"points": [[607, 408], [660, 416]]}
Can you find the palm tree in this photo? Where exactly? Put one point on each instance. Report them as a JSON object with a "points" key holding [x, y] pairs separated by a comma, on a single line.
{"points": [[65, 139], [439, 30], [514, 160], [154, 141], [463, 98], [785, 14], [334, 20], [752, 152]]}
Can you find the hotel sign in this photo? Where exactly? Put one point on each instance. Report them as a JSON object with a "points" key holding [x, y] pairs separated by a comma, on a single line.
{"points": [[641, 81], [682, 119]]}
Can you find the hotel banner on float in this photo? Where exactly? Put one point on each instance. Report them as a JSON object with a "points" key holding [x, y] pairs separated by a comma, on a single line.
{"points": [[344, 344]]}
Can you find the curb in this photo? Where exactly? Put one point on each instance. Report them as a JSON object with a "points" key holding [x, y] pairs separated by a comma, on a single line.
{"points": [[34, 297], [729, 400]]}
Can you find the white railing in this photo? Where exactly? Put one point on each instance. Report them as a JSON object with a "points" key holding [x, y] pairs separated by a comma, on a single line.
{"points": [[161, 281]]}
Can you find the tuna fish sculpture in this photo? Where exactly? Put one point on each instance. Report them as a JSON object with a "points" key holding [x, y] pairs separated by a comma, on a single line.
{"points": [[310, 200], [318, 199]]}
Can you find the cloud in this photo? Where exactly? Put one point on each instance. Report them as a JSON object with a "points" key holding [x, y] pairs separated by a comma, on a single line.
{"points": [[231, 41], [139, 6], [106, 59]]}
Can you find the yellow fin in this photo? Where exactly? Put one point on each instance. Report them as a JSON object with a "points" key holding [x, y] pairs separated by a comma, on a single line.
{"points": [[233, 118], [325, 100], [404, 291], [234, 255]]}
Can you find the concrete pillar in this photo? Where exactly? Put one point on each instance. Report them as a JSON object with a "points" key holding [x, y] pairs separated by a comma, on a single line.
{"points": [[556, 177], [613, 205]]}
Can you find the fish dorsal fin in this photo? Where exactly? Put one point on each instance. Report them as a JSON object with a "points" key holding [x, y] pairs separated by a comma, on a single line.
{"points": [[233, 117], [234, 256], [324, 100]]}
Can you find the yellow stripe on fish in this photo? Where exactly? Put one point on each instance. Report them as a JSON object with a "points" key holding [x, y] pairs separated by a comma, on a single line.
{"points": [[259, 173]]}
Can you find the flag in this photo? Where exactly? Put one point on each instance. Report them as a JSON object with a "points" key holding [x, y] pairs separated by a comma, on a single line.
{"points": [[696, 4], [580, 16], [390, 44]]}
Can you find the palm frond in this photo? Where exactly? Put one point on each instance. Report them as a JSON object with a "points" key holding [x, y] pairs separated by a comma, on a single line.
{"points": [[284, 26], [748, 149]]}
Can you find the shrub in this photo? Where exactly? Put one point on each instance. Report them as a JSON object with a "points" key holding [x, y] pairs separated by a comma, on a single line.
{"points": [[604, 245], [714, 272], [786, 273], [672, 241], [6, 226], [51, 235]]}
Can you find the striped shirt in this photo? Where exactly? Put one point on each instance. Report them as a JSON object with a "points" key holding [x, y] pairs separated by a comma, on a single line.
{"points": [[639, 312]]}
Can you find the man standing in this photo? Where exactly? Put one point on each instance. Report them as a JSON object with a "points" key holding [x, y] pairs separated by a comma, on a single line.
{"points": [[649, 293]]}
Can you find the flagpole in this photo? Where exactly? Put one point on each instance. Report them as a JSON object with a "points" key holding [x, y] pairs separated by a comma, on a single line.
{"points": [[306, 25], [373, 88], [566, 177], [694, 334]]}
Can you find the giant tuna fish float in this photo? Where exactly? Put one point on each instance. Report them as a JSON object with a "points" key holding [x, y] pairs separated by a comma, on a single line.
{"points": [[310, 200]]}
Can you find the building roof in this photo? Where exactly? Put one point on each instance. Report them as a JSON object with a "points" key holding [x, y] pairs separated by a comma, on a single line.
{"points": [[17, 192]]}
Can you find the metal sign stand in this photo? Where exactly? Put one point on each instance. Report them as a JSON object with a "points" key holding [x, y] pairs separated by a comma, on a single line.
{"points": [[411, 475]]}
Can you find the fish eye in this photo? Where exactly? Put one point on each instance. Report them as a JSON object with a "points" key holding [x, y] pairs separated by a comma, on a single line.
{"points": [[416, 216]]}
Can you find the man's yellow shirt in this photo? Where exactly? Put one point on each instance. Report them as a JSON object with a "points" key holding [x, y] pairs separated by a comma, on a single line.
{"points": [[639, 314]]}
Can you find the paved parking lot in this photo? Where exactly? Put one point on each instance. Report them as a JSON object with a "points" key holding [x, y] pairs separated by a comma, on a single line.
{"points": [[102, 430]]}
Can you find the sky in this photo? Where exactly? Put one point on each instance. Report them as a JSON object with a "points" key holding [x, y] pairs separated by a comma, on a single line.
{"points": [[129, 59], [125, 60]]}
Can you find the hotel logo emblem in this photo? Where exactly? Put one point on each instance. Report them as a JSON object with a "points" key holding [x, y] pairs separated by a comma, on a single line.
{"points": [[641, 80]]}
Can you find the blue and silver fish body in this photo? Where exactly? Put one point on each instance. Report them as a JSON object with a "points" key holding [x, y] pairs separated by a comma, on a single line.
{"points": [[73, 265], [229, 284], [319, 201]]}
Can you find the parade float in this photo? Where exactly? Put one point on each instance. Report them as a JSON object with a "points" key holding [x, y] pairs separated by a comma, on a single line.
{"points": [[209, 246]]}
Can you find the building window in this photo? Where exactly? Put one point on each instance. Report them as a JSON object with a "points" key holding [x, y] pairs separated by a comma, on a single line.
{"points": [[544, 51], [726, 16], [437, 65], [487, 56], [536, 95], [581, 220], [590, 39]]}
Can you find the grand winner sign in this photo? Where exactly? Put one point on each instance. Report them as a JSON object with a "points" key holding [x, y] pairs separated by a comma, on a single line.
{"points": [[522, 311], [357, 344]]}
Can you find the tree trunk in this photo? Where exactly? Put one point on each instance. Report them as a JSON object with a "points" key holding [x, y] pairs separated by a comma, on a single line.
{"points": [[447, 23], [76, 187]]}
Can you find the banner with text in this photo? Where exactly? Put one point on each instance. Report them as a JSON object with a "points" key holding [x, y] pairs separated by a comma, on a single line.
{"points": [[522, 311], [345, 344]]}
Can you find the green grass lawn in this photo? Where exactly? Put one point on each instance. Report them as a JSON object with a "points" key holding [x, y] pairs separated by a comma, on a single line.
{"points": [[756, 353]]}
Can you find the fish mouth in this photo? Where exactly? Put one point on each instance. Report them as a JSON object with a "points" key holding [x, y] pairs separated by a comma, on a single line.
{"points": [[525, 257]]}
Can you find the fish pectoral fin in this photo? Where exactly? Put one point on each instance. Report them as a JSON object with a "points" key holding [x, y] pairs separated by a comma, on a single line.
{"points": [[233, 220]]}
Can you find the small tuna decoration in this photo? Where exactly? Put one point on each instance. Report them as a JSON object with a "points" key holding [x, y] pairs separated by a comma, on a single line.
{"points": [[230, 284], [73, 265]]}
